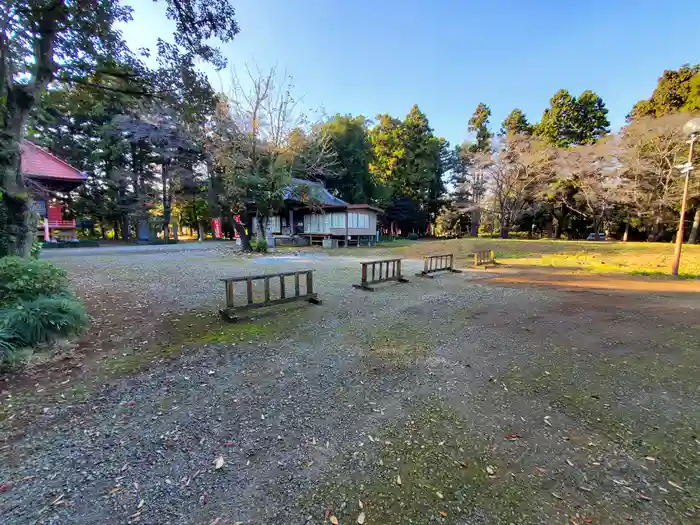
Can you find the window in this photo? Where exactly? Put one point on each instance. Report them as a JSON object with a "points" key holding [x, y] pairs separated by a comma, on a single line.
{"points": [[338, 220]]}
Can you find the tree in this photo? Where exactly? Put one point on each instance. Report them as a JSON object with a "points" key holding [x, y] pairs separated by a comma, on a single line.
{"points": [[268, 126], [349, 139], [571, 121], [478, 124], [515, 123], [512, 173], [76, 42], [676, 90]]}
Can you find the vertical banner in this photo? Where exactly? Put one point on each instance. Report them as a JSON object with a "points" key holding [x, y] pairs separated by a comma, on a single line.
{"points": [[216, 226]]}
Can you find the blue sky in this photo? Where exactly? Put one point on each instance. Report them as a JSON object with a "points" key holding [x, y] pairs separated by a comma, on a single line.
{"points": [[382, 56]]}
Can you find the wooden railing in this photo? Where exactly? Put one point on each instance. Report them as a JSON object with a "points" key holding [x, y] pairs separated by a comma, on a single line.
{"points": [[309, 295], [484, 257], [438, 263], [388, 270]]}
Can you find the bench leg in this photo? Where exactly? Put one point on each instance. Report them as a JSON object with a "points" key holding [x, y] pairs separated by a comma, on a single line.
{"points": [[426, 275], [363, 287], [227, 314], [403, 280], [313, 299]]}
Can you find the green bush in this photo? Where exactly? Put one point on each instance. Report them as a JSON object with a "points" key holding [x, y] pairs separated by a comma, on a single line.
{"points": [[412, 236], [28, 279], [44, 320], [36, 308], [258, 245]]}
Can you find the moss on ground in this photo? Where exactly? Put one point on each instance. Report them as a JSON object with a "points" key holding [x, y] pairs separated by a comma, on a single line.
{"points": [[633, 401], [448, 474]]}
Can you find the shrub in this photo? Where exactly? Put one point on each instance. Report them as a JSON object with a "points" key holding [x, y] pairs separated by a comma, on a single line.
{"points": [[28, 279], [258, 245], [412, 236]]}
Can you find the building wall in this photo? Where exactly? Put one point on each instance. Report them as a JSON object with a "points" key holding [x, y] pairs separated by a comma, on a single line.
{"points": [[360, 222]]}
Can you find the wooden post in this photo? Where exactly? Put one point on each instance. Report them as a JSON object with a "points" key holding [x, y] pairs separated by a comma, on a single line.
{"points": [[492, 256], [283, 293], [426, 265], [452, 262], [249, 290], [397, 264], [476, 258], [364, 273], [296, 285], [309, 282], [267, 289], [229, 294]]}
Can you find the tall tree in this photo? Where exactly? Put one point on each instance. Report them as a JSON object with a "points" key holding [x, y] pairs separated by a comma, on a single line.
{"points": [[676, 90], [479, 124], [515, 124], [571, 121], [349, 139], [76, 42]]}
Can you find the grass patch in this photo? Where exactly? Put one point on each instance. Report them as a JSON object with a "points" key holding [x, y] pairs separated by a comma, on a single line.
{"points": [[448, 474], [601, 257]]}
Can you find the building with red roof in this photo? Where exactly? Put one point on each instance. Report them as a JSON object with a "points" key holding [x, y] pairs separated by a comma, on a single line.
{"points": [[53, 176]]}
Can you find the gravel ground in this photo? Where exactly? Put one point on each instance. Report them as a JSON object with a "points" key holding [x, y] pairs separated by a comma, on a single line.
{"points": [[439, 401]]}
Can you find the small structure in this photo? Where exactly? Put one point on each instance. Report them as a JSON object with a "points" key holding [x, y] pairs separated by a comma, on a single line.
{"points": [[438, 263], [485, 258], [313, 215], [370, 275], [231, 310], [53, 176]]}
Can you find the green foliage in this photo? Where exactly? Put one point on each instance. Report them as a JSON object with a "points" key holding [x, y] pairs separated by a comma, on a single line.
{"points": [[29, 279], [676, 90], [571, 121], [515, 123], [352, 180], [478, 124], [259, 245], [412, 236], [44, 320]]}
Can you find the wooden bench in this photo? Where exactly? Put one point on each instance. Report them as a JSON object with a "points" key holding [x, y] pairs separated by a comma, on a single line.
{"points": [[484, 258], [438, 263], [309, 295], [389, 270]]}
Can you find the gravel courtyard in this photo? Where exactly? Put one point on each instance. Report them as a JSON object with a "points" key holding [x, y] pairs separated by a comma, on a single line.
{"points": [[457, 400]]}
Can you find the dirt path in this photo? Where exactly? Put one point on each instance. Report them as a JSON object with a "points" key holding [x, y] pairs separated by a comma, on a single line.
{"points": [[453, 400]]}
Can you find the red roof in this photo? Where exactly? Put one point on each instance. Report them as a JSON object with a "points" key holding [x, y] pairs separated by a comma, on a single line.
{"points": [[39, 163]]}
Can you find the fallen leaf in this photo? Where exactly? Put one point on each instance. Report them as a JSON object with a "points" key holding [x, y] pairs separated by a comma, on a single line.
{"points": [[361, 518], [556, 495], [513, 435], [132, 403], [439, 495], [327, 514], [4, 487], [541, 470], [359, 504], [398, 480], [141, 504], [227, 443], [219, 462], [587, 520], [204, 499], [675, 485], [135, 515], [650, 458], [642, 496], [333, 520], [115, 489], [216, 521], [443, 513], [569, 462], [628, 517], [491, 469]]}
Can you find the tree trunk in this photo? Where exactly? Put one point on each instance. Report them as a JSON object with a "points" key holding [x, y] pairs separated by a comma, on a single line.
{"points": [[19, 225], [476, 219], [626, 235], [200, 228], [245, 241], [696, 226], [550, 229], [557, 229], [504, 232]]}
